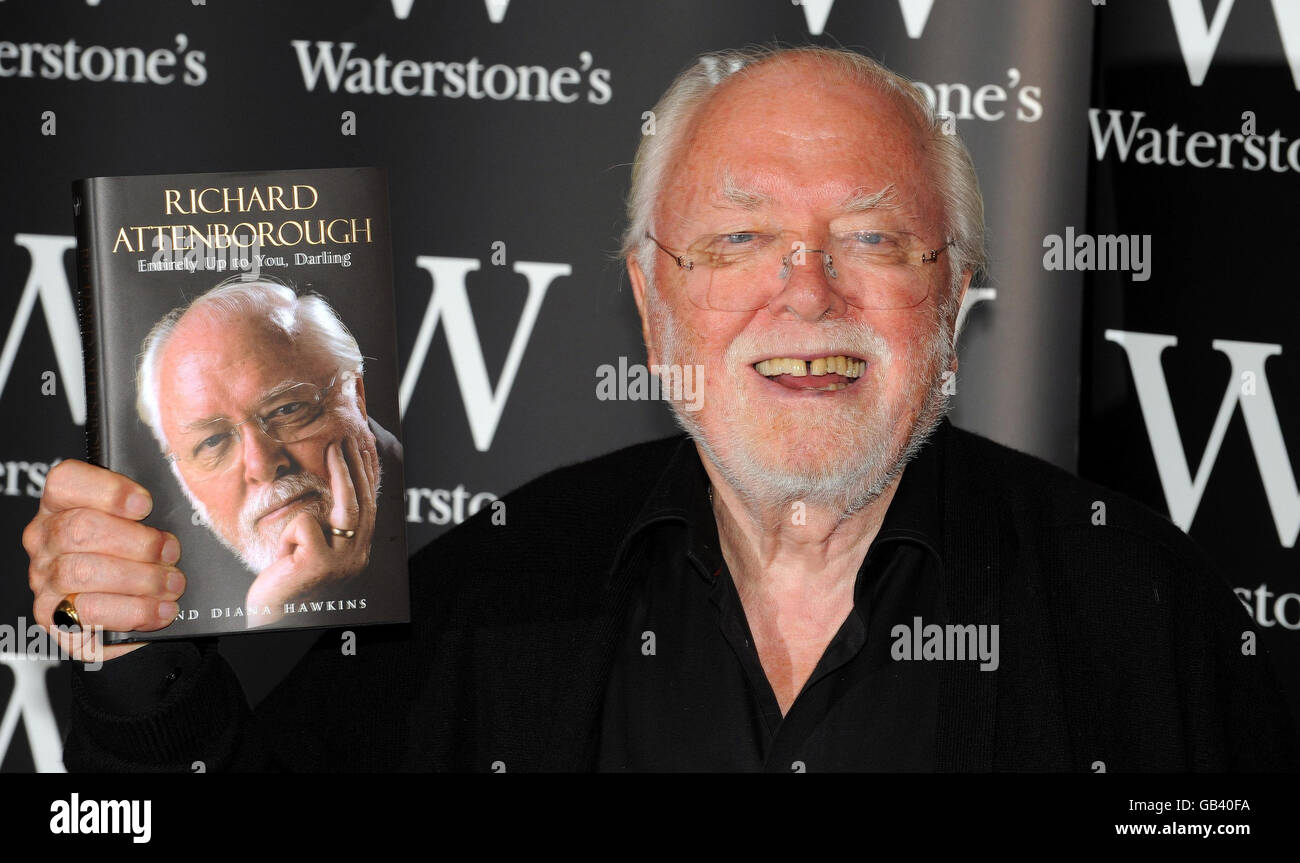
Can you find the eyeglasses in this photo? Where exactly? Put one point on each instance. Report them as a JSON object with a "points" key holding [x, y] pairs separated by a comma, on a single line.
{"points": [[744, 270], [288, 416]]}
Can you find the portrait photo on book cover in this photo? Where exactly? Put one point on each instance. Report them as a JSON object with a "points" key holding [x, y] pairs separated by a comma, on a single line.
{"points": [[255, 393]]}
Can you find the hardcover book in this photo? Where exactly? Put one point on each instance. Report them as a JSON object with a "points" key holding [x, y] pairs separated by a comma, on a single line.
{"points": [[240, 346]]}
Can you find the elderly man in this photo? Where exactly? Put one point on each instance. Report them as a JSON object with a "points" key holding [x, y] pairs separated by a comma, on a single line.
{"points": [[823, 575], [297, 501]]}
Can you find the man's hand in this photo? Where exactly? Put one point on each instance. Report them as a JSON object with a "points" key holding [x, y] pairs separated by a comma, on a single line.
{"points": [[87, 539], [312, 560]]}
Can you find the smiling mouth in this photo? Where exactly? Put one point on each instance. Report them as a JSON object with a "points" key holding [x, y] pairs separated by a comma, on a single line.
{"points": [[823, 374]]}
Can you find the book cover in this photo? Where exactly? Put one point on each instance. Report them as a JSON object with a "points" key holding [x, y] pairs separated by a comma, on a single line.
{"points": [[240, 344]]}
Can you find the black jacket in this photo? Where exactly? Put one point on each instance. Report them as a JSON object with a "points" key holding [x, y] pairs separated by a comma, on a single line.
{"points": [[1119, 643]]}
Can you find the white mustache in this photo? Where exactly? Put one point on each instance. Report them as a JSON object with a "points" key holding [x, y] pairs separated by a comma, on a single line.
{"points": [[280, 492], [848, 338]]}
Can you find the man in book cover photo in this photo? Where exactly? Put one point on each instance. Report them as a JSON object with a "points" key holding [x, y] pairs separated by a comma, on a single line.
{"points": [[256, 398]]}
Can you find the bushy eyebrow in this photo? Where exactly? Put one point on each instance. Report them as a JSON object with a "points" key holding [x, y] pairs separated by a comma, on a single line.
{"points": [[200, 425], [279, 389], [738, 196], [265, 396], [858, 201], [861, 201]]}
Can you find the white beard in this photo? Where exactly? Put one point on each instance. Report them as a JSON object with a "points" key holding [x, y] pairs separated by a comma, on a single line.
{"points": [[844, 485], [258, 549]]}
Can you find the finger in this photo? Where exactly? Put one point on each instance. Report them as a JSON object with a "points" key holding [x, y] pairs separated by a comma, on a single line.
{"points": [[372, 467], [366, 522], [287, 577], [361, 473], [110, 610], [87, 645], [72, 484], [345, 512], [358, 547], [361, 543], [302, 534], [85, 572], [370, 505], [91, 530], [360, 469]]}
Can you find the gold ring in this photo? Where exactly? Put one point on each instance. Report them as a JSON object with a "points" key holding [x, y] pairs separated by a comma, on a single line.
{"points": [[65, 613], [338, 531]]}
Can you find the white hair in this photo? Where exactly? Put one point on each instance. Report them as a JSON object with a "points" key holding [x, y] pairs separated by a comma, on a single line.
{"points": [[959, 191], [304, 318]]}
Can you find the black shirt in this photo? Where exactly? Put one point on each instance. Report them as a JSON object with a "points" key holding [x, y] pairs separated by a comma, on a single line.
{"points": [[1120, 643], [687, 690]]}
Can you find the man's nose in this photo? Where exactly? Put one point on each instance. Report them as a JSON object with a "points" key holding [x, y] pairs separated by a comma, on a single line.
{"points": [[264, 459], [809, 293]]}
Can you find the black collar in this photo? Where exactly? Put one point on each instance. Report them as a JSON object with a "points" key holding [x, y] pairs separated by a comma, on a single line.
{"points": [[979, 549], [681, 497]]}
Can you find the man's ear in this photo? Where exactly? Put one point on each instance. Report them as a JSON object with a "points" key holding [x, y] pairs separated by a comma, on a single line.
{"points": [[961, 301], [361, 397], [637, 277], [965, 283]]}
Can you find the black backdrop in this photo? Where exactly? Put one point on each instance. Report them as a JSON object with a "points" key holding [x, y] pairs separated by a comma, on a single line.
{"points": [[515, 204], [1221, 298]]}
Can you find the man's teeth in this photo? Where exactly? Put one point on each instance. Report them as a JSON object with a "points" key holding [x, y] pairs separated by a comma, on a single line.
{"points": [[838, 365]]}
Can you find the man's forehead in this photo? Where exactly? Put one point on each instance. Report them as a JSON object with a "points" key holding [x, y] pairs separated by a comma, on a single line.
{"points": [[832, 140], [809, 101], [768, 194], [210, 367], [202, 322]]}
